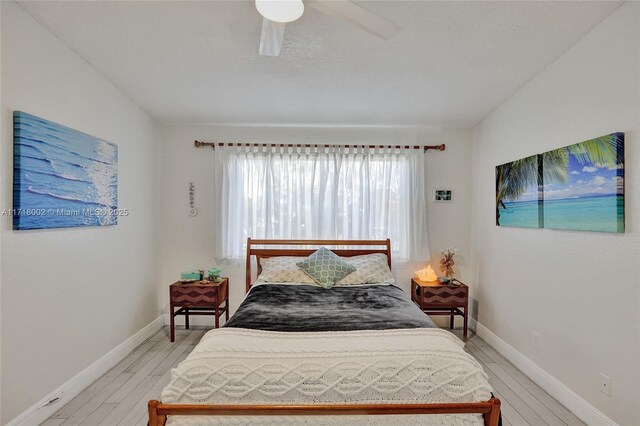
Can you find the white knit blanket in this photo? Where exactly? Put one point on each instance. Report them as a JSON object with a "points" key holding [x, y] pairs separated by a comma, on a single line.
{"points": [[240, 366]]}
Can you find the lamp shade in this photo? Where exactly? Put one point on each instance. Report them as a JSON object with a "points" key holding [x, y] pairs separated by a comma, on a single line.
{"points": [[280, 10]]}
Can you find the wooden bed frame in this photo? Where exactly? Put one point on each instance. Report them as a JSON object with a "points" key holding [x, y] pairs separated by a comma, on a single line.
{"points": [[158, 412], [383, 246]]}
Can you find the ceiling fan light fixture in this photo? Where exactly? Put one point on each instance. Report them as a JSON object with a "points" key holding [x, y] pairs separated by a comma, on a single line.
{"points": [[280, 10]]}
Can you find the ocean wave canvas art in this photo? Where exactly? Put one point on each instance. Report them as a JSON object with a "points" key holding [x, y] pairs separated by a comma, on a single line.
{"points": [[579, 187], [61, 177]]}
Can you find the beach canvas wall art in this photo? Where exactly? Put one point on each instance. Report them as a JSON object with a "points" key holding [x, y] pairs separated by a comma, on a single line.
{"points": [[584, 185], [61, 177], [518, 184], [579, 187]]}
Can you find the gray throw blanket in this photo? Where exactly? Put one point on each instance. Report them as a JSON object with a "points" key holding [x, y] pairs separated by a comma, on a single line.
{"points": [[307, 308]]}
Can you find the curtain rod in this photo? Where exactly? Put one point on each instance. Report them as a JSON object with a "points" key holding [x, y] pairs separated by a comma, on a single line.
{"points": [[200, 144]]}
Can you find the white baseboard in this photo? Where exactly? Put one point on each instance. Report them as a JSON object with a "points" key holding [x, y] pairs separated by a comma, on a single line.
{"points": [[39, 412], [574, 402]]}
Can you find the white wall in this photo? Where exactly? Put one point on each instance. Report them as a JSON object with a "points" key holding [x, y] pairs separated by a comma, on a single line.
{"points": [[71, 295], [188, 240], [579, 290]]}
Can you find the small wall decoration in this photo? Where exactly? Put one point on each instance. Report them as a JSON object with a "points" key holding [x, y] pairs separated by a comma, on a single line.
{"points": [[193, 211], [61, 177], [579, 187], [442, 195]]}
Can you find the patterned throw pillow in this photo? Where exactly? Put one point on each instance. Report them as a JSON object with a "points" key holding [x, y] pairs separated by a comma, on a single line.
{"points": [[283, 269], [326, 267], [370, 269]]}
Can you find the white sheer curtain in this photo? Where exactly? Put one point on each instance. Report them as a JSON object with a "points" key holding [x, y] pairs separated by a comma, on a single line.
{"points": [[320, 193]]}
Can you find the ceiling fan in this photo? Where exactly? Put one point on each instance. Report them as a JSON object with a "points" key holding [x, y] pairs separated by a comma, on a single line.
{"points": [[276, 14]]}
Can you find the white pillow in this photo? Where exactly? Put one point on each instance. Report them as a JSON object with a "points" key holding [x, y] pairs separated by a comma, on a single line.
{"points": [[283, 269], [370, 269]]}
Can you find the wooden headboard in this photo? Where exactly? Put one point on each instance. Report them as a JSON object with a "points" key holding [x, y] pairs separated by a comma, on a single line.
{"points": [[307, 247]]}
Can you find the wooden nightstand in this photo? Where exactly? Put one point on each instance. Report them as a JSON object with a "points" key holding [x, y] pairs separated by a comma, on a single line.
{"points": [[198, 298], [442, 299]]}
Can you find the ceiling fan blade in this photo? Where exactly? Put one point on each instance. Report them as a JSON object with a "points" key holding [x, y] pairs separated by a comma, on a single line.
{"points": [[356, 15], [271, 37]]}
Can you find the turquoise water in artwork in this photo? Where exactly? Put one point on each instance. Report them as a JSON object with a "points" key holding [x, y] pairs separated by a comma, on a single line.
{"points": [[62, 177], [520, 214], [596, 213]]}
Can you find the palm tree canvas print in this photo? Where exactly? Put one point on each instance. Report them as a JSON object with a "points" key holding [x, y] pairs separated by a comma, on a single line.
{"points": [[584, 185], [518, 185]]}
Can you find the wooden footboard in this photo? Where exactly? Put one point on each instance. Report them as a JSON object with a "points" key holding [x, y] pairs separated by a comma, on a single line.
{"points": [[158, 412]]}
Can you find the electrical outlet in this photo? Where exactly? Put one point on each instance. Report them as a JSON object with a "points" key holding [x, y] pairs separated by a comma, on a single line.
{"points": [[535, 340], [605, 384]]}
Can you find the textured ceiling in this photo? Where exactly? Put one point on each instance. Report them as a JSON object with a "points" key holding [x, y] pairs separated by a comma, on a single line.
{"points": [[197, 62]]}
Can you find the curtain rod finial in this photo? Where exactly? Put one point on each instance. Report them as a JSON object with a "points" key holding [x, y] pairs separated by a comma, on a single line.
{"points": [[199, 144], [440, 147]]}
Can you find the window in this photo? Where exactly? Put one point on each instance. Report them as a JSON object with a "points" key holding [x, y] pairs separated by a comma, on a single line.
{"points": [[320, 193]]}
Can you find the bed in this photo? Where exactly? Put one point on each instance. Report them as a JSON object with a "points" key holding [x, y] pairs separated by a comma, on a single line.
{"points": [[296, 353]]}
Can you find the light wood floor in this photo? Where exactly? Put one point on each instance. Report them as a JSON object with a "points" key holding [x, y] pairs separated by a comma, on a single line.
{"points": [[120, 397]]}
